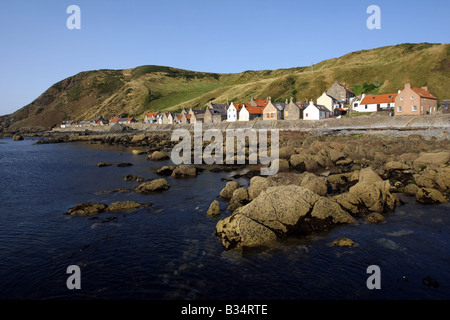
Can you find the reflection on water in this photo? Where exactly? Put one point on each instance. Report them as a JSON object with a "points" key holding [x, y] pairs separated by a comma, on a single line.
{"points": [[169, 250]]}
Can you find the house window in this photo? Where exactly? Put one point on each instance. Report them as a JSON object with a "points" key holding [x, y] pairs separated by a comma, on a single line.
{"points": [[286, 113], [401, 98], [306, 115], [414, 108], [399, 108], [365, 106], [412, 97]]}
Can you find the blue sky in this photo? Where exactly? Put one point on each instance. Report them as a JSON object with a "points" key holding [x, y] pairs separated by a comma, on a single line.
{"points": [[37, 49]]}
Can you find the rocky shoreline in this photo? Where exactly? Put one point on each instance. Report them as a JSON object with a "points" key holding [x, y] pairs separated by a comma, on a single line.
{"points": [[326, 178]]}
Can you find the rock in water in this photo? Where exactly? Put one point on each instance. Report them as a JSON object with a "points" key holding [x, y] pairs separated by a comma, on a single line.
{"points": [[158, 156], [214, 208], [430, 196], [87, 209], [343, 242], [17, 137], [184, 171], [227, 192], [153, 186], [125, 205]]}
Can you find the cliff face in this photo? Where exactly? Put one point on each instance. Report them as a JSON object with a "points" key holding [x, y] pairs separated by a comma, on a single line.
{"points": [[143, 89]]}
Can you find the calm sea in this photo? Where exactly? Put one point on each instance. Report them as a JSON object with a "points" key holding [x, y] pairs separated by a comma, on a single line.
{"points": [[168, 251]]}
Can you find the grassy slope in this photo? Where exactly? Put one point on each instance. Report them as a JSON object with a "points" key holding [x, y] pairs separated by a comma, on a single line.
{"points": [[152, 88]]}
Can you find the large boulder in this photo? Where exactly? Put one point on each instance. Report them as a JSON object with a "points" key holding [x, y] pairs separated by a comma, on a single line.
{"points": [[87, 209], [278, 211], [153, 186], [238, 199]]}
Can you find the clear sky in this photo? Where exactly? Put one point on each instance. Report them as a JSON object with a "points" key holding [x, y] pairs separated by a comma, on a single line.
{"points": [[37, 49]]}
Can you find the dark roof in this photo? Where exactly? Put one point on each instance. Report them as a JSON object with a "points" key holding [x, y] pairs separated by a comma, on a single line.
{"points": [[279, 105], [219, 106], [322, 108]]}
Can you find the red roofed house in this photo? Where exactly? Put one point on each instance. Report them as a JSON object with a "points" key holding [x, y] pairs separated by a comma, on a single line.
{"points": [[150, 117], [114, 120], [258, 102], [415, 101], [374, 103]]}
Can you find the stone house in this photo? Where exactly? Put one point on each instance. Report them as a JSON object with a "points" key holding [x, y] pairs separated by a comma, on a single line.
{"points": [[215, 113], [151, 117], [340, 93], [196, 115], [293, 111], [415, 101]]}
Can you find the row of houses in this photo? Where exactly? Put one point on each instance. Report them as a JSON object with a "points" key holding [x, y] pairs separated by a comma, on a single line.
{"points": [[332, 103], [407, 101]]}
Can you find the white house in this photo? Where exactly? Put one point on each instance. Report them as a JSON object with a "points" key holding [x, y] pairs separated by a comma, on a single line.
{"points": [[374, 103], [244, 115], [315, 112], [231, 113]]}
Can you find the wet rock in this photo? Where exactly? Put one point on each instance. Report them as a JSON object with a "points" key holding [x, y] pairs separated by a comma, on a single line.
{"points": [[126, 205], [227, 192], [410, 189], [214, 208], [374, 218], [238, 231], [124, 164], [344, 242], [132, 177], [87, 209], [430, 196], [428, 281], [138, 151], [166, 170], [115, 190], [153, 186], [103, 164], [184, 171], [17, 137], [158, 156]]}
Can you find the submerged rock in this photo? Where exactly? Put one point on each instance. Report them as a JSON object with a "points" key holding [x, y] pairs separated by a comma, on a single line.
{"points": [[126, 205], [17, 137]]}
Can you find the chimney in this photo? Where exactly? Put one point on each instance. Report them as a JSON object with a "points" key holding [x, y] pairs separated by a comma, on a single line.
{"points": [[425, 88], [407, 85], [291, 100]]}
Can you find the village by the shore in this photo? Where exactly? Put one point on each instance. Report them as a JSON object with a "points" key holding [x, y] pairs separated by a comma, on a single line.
{"points": [[335, 170], [336, 102]]}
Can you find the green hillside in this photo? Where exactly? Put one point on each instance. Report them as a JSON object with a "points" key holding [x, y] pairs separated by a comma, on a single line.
{"points": [[152, 88]]}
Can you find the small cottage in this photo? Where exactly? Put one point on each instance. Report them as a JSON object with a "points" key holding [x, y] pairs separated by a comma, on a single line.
{"points": [[231, 113], [315, 112]]}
